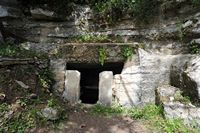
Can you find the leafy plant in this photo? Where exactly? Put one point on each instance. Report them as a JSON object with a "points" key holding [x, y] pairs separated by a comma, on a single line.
{"points": [[174, 125], [127, 52], [45, 78], [108, 111], [21, 102], [20, 122], [51, 103], [147, 112], [102, 55], [194, 48], [113, 10], [151, 113], [8, 50], [196, 2], [13, 50], [181, 32], [179, 97], [144, 10]]}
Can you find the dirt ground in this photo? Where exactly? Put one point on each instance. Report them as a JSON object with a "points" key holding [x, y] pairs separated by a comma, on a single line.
{"points": [[82, 121]]}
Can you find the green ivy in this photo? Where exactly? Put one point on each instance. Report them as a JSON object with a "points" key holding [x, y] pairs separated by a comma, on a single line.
{"points": [[45, 78], [127, 52], [102, 55]]}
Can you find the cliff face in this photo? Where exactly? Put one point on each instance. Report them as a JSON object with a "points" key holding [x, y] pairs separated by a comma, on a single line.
{"points": [[76, 37], [171, 30]]}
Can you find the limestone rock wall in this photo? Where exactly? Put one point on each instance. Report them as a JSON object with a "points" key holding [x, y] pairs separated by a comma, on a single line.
{"points": [[138, 81], [166, 36], [176, 107], [141, 76]]}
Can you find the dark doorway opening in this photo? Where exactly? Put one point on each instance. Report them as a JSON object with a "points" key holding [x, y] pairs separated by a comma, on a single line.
{"points": [[90, 78]]}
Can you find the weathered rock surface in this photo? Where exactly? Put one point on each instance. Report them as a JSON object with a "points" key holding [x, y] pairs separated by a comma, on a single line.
{"points": [[191, 76], [105, 87], [72, 86], [50, 113], [140, 77], [42, 14], [126, 90], [22, 84], [163, 36], [58, 67], [184, 74], [157, 64], [9, 2], [9, 12], [175, 106]]}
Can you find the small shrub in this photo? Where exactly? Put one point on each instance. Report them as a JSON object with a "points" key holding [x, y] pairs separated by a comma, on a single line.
{"points": [[8, 50], [127, 52], [147, 112], [181, 32], [102, 55], [4, 107], [112, 10], [174, 125], [150, 113], [194, 48], [20, 122], [91, 38], [51, 103], [108, 111], [13, 50], [183, 99], [196, 2], [45, 78]]}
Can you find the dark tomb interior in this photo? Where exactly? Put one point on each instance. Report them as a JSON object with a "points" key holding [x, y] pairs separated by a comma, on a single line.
{"points": [[90, 78]]}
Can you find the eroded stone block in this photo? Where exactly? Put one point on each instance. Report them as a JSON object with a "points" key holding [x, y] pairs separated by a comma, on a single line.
{"points": [[72, 86], [58, 67], [105, 87]]}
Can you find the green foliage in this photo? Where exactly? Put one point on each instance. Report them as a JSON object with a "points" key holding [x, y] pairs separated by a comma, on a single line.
{"points": [[181, 32], [8, 50], [91, 38], [183, 99], [51, 102], [102, 55], [45, 78], [110, 10], [196, 2], [127, 51], [151, 113], [20, 121], [145, 10], [21, 102], [12, 50], [174, 125], [113, 10], [107, 111], [147, 112], [194, 48], [29, 117]]}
